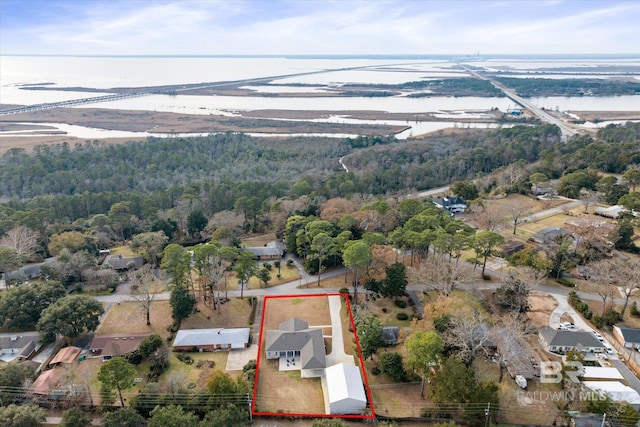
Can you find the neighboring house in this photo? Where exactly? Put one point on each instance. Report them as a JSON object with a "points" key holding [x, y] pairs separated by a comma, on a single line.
{"points": [[586, 421], [19, 345], [580, 272], [628, 337], [211, 339], [45, 383], [390, 334], [112, 345], [617, 391], [345, 392], [543, 190], [549, 234], [512, 247], [120, 263], [599, 373], [612, 212], [517, 359], [272, 251], [31, 271], [296, 341], [66, 356], [452, 204], [562, 341]]}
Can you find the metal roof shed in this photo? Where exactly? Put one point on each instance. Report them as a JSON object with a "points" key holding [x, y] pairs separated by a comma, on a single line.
{"points": [[345, 390]]}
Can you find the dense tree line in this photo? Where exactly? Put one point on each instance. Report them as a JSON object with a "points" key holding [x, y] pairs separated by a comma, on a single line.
{"points": [[531, 87], [613, 150], [465, 86], [62, 184], [441, 159]]}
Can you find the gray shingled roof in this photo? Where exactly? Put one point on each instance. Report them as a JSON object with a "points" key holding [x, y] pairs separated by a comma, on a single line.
{"points": [[295, 335], [294, 324], [118, 262], [18, 339], [631, 335], [570, 338], [196, 337]]}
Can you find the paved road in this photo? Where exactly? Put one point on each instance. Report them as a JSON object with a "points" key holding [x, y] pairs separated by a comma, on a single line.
{"points": [[633, 381], [567, 131]]}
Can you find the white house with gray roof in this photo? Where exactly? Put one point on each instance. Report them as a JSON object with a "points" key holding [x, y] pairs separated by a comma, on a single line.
{"points": [[628, 337], [297, 343], [19, 345], [563, 341], [211, 339], [272, 251]]}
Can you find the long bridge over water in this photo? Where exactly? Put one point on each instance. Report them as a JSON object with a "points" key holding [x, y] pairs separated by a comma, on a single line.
{"points": [[72, 102]]}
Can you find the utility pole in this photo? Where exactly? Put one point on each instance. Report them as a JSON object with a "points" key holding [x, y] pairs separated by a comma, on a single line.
{"points": [[250, 413], [486, 415], [604, 417]]}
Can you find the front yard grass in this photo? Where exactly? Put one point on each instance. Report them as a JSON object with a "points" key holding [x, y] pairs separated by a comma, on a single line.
{"points": [[129, 317], [232, 314], [125, 251]]}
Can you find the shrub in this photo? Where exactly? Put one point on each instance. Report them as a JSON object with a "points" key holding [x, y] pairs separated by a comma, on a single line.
{"points": [[134, 357], [150, 344], [391, 364], [402, 316], [267, 266], [400, 303], [185, 358], [373, 285], [289, 263], [566, 282], [375, 370], [175, 325], [634, 310]]}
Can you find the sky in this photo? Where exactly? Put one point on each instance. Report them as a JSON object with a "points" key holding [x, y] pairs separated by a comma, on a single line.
{"points": [[310, 27]]}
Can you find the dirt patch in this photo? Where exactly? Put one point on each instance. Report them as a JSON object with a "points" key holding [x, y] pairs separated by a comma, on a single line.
{"points": [[540, 307], [129, 317], [607, 115], [287, 392], [313, 310], [232, 314], [258, 240]]}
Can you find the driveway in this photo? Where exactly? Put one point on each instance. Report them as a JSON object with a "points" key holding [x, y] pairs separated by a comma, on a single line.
{"points": [[238, 358], [337, 354]]}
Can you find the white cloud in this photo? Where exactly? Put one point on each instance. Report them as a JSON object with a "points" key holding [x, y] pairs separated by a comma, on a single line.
{"points": [[326, 27]]}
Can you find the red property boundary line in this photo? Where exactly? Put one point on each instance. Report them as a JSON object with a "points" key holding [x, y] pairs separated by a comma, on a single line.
{"points": [[362, 369]]}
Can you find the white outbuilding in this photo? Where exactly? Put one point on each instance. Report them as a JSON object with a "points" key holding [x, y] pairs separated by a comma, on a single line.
{"points": [[345, 391]]}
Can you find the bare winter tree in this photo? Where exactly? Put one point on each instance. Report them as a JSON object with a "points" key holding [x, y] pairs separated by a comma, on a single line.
{"points": [[512, 176], [517, 213], [591, 238], [629, 270], [486, 216], [144, 287], [507, 336], [443, 275], [469, 335], [588, 197], [22, 239], [605, 275], [513, 294]]}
